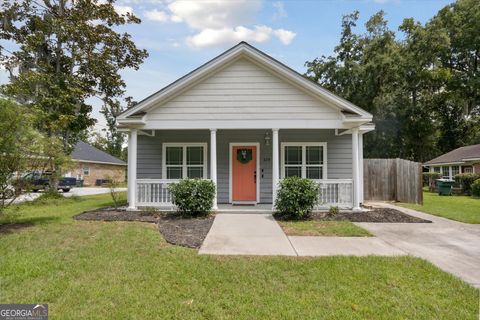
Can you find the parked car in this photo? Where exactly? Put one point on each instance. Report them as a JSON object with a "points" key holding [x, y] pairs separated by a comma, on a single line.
{"points": [[41, 181]]}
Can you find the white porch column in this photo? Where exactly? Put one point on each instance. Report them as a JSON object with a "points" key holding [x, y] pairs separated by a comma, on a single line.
{"points": [[360, 159], [355, 169], [132, 168], [213, 163], [275, 165]]}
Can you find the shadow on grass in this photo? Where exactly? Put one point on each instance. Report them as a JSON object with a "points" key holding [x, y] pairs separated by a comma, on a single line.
{"points": [[8, 226]]}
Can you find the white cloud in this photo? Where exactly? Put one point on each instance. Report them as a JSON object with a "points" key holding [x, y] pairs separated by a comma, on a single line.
{"points": [[123, 10], [157, 15], [285, 36], [227, 36], [220, 22], [215, 14], [280, 11]]}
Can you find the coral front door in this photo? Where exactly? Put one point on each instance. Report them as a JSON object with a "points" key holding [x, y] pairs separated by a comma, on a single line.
{"points": [[244, 173]]}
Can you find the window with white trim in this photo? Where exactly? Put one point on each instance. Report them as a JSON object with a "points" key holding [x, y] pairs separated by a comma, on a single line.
{"points": [[86, 171], [455, 171], [187, 160], [436, 169], [306, 160], [445, 171], [468, 169]]}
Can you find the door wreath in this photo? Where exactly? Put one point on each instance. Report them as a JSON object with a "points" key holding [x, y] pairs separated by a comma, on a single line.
{"points": [[244, 155]]}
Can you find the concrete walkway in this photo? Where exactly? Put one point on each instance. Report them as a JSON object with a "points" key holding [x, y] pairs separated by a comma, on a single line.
{"points": [[452, 246], [260, 234], [246, 234]]}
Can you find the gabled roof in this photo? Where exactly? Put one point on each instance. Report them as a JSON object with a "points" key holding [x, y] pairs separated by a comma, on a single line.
{"points": [[133, 114], [458, 155], [87, 153]]}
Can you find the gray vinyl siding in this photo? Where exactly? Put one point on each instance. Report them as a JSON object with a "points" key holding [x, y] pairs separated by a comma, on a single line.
{"points": [[149, 159], [242, 91]]}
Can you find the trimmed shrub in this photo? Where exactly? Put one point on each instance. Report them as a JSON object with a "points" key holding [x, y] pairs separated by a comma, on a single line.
{"points": [[296, 197], [476, 188], [465, 180], [429, 180], [193, 197]]}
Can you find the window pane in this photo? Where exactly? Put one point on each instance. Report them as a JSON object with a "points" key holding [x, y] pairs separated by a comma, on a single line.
{"points": [[195, 172], [445, 171], [174, 155], [455, 170], [436, 169], [293, 155], [194, 155], [174, 172], [314, 155], [293, 172], [314, 172]]}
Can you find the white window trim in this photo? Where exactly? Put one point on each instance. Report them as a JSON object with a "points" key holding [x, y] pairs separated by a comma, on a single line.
{"points": [[304, 158], [184, 165], [83, 171]]}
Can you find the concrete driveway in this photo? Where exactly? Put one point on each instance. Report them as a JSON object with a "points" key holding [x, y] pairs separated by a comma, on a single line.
{"points": [[450, 245], [73, 192]]}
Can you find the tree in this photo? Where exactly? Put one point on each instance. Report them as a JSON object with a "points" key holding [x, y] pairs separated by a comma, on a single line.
{"points": [[68, 51], [422, 89], [114, 139], [21, 149]]}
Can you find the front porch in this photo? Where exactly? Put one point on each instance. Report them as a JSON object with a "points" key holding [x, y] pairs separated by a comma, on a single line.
{"points": [[332, 158]]}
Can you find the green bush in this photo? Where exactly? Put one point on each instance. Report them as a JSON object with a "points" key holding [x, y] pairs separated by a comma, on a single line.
{"points": [[466, 180], [476, 188], [193, 197], [296, 197]]}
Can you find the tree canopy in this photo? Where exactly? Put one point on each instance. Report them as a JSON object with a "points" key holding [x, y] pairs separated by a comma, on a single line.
{"points": [[421, 83], [67, 52]]}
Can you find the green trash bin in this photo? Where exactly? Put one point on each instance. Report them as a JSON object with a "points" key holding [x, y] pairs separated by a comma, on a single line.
{"points": [[445, 187]]}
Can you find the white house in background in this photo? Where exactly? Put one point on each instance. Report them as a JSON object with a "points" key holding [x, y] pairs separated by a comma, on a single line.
{"points": [[245, 121], [461, 160]]}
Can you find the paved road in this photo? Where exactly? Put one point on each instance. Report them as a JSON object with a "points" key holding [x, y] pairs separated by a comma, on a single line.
{"points": [[73, 192], [452, 246]]}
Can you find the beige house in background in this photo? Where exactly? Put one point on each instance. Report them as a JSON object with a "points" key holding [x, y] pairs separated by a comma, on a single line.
{"points": [[92, 164], [461, 160]]}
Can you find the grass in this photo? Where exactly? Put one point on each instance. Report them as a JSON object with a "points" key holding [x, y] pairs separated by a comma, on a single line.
{"points": [[459, 208], [323, 228], [125, 270]]}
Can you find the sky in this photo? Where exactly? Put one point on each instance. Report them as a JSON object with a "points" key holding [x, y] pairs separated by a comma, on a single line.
{"points": [[182, 35]]}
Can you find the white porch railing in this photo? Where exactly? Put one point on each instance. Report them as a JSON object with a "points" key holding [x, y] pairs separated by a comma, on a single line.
{"points": [[154, 193], [335, 193], [332, 192]]}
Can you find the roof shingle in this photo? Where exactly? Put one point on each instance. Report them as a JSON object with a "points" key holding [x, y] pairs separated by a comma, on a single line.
{"points": [[457, 155], [85, 152]]}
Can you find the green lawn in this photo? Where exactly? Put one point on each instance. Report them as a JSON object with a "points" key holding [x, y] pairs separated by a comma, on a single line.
{"points": [[125, 270], [323, 228], [460, 208]]}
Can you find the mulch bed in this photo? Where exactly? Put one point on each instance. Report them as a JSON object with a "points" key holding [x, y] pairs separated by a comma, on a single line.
{"points": [[176, 229], [13, 227], [381, 215]]}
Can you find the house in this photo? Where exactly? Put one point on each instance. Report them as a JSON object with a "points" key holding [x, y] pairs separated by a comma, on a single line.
{"points": [[461, 160], [91, 164], [245, 121]]}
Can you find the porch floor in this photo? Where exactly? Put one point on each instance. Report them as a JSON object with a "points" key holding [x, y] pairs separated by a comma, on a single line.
{"points": [[236, 208]]}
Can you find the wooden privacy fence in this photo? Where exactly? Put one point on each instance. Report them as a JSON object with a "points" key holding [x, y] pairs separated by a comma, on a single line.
{"points": [[393, 180]]}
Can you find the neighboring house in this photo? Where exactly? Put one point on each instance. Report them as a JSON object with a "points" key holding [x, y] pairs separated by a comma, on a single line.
{"points": [[92, 164], [461, 160], [245, 121]]}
